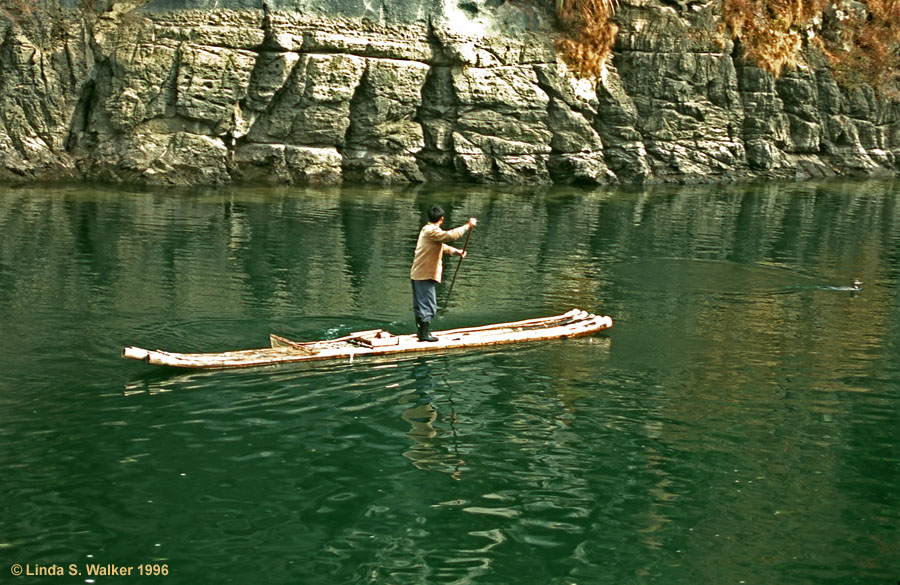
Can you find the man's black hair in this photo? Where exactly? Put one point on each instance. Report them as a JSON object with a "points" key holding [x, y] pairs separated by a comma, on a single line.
{"points": [[435, 213]]}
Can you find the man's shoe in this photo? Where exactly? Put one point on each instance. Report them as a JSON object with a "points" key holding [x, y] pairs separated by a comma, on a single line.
{"points": [[425, 333]]}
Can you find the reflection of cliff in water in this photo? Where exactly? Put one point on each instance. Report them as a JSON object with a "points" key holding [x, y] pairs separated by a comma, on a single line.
{"points": [[334, 252], [310, 260]]}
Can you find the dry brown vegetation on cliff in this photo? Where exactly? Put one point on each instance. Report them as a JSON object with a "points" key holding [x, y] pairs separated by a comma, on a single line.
{"points": [[868, 49], [590, 34], [770, 30], [863, 47]]}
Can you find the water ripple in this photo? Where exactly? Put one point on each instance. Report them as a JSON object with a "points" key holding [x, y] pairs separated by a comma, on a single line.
{"points": [[736, 424]]}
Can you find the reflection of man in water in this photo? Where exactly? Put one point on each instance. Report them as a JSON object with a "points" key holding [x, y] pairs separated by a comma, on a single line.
{"points": [[429, 450], [428, 264], [420, 413]]}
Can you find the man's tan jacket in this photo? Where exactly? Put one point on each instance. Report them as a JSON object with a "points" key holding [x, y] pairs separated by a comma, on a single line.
{"points": [[428, 261]]}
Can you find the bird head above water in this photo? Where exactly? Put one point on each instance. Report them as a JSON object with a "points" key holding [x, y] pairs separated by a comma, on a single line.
{"points": [[856, 284]]}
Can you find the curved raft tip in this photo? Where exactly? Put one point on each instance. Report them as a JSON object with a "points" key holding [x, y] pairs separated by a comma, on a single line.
{"points": [[135, 353]]}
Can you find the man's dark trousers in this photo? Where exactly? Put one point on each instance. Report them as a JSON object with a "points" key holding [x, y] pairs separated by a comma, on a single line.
{"points": [[424, 300]]}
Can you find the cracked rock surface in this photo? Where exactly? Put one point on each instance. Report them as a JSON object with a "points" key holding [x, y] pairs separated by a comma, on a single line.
{"points": [[307, 92]]}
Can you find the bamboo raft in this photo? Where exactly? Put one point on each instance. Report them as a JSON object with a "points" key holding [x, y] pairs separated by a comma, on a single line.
{"points": [[378, 342]]}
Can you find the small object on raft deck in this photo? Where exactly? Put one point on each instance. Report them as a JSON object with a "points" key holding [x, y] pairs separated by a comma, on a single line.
{"points": [[377, 342]]}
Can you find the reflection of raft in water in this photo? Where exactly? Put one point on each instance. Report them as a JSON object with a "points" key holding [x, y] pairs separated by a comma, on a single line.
{"points": [[378, 342]]}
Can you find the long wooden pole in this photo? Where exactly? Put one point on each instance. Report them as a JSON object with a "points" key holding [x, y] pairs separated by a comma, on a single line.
{"points": [[452, 282]]}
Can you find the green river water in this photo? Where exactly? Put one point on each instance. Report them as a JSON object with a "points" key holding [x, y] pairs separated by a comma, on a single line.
{"points": [[738, 424]]}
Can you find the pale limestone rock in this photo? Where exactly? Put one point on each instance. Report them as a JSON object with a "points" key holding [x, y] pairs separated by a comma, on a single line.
{"points": [[313, 108], [415, 91], [210, 81]]}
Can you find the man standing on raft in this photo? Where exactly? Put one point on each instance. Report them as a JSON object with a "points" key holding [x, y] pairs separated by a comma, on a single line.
{"points": [[428, 265]]}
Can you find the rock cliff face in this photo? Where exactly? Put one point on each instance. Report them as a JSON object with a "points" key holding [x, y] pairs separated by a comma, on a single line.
{"points": [[303, 91]]}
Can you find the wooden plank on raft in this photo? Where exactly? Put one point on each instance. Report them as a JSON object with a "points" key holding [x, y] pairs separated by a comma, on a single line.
{"points": [[379, 339], [572, 315], [307, 348]]}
